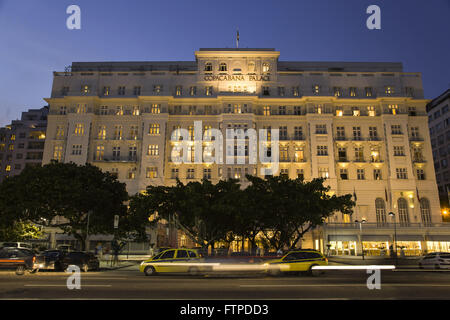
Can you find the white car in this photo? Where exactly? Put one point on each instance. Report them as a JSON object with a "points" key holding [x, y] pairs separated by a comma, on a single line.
{"points": [[436, 260], [19, 245]]}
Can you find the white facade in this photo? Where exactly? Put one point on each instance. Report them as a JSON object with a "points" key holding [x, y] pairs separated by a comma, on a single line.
{"points": [[343, 120]]}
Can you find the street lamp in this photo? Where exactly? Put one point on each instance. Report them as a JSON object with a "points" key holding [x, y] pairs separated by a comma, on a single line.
{"points": [[363, 220], [392, 215]]}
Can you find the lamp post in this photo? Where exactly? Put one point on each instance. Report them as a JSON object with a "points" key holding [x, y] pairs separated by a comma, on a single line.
{"points": [[360, 235], [392, 215]]}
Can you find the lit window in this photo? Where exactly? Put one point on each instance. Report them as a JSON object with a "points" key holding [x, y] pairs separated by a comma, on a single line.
{"points": [[267, 110], [316, 89], [118, 132], [371, 111], [337, 91], [133, 132], [178, 90], [136, 111], [265, 67], [352, 92], [154, 129], [102, 132], [393, 108], [152, 172], [79, 129], [99, 153], [106, 91], [119, 110], [85, 89], [156, 108], [389, 90], [57, 153], [323, 172], [318, 109], [153, 150], [157, 88]]}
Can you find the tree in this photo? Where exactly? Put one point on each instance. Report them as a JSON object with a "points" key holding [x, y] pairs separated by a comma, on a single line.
{"points": [[66, 195], [290, 208], [204, 211], [20, 231]]}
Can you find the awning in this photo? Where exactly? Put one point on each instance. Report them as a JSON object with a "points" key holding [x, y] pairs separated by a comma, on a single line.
{"points": [[342, 237], [376, 237], [438, 237], [409, 237]]}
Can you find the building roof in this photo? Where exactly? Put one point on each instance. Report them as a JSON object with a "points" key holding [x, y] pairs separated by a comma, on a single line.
{"points": [[436, 101]]}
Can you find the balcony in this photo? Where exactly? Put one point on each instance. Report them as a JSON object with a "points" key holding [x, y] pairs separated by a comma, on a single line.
{"points": [[117, 159], [415, 139], [419, 160], [341, 138]]}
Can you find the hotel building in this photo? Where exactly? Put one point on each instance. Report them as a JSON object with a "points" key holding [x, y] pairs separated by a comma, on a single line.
{"points": [[361, 125]]}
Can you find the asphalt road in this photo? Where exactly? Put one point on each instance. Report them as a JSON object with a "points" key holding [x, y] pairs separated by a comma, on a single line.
{"points": [[128, 283]]}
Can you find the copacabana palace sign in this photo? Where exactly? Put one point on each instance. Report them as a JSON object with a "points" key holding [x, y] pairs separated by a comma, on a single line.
{"points": [[225, 77]]}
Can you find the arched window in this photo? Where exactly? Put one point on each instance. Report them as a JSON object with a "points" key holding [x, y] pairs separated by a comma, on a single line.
{"points": [[265, 67], [425, 211], [403, 215], [380, 209], [223, 67], [208, 66]]}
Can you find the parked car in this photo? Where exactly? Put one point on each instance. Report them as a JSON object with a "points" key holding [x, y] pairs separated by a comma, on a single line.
{"points": [[85, 260], [21, 245], [297, 261], [51, 260], [65, 248], [172, 261], [436, 260], [17, 259]]}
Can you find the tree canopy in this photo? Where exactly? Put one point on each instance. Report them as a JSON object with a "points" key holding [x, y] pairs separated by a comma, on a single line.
{"points": [[63, 195]]}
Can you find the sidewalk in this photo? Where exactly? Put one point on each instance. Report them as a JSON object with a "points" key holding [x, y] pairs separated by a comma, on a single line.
{"points": [[406, 262], [106, 264]]}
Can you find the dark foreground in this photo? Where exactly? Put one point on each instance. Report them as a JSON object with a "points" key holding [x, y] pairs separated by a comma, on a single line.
{"points": [[128, 283]]}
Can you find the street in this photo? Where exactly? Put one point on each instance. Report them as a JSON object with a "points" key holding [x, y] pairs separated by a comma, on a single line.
{"points": [[129, 283]]}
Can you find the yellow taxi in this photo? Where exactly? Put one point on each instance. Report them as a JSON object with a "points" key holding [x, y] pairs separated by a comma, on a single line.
{"points": [[173, 261], [296, 261]]}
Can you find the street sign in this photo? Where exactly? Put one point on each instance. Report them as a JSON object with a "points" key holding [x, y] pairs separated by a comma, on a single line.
{"points": [[116, 221]]}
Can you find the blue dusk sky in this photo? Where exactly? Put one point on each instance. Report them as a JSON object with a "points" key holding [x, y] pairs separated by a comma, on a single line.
{"points": [[35, 41]]}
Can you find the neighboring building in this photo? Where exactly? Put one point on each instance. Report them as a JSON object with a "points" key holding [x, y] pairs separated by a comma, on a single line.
{"points": [[439, 123], [22, 142], [361, 125]]}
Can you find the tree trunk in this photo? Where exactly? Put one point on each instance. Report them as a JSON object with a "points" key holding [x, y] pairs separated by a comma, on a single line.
{"points": [[82, 239]]}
